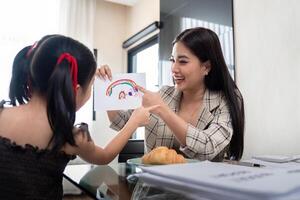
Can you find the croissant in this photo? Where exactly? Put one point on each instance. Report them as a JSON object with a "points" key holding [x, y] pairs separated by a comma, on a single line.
{"points": [[162, 155]]}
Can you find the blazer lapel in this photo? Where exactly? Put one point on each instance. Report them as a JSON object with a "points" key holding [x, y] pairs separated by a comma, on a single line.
{"points": [[210, 102]]}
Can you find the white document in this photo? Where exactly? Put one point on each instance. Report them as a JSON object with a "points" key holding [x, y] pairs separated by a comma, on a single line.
{"points": [[277, 158], [225, 181], [119, 94], [273, 165]]}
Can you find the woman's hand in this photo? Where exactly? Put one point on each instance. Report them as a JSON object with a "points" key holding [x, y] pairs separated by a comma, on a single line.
{"points": [[141, 115], [104, 72], [151, 99]]}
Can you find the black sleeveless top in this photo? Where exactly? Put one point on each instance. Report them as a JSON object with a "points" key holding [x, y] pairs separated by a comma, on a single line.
{"points": [[30, 173]]}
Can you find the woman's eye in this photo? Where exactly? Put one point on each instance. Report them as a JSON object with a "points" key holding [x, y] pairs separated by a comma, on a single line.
{"points": [[183, 61]]}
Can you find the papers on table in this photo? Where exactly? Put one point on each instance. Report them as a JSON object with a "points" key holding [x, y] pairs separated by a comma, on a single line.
{"points": [[278, 158], [273, 165], [208, 180], [119, 94]]}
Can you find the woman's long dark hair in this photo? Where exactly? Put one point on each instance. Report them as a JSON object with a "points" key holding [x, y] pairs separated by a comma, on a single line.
{"points": [[52, 81], [205, 44]]}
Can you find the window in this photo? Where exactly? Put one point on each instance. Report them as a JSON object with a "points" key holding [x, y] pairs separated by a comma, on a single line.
{"points": [[144, 59], [25, 22], [177, 16], [22, 23]]}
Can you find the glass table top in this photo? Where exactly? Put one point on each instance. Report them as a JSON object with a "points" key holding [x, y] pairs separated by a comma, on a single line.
{"points": [[113, 182]]}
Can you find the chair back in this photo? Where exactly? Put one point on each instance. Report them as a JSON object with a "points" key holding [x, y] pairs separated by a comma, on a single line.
{"points": [[133, 149]]}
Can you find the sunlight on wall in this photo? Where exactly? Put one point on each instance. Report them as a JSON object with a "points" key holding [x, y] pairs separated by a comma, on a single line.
{"points": [[23, 23]]}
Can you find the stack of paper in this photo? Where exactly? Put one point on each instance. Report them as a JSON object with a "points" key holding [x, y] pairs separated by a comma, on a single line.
{"points": [[208, 180], [278, 158]]}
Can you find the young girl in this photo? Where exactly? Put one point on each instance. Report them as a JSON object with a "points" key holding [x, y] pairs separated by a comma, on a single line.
{"points": [[51, 80]]}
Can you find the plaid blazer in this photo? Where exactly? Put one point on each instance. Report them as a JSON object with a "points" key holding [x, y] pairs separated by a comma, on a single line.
{"points": [[208, 140]]}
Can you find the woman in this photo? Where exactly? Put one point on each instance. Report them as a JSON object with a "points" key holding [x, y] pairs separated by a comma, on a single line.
{"points": [[202, 116], [51, 80]]}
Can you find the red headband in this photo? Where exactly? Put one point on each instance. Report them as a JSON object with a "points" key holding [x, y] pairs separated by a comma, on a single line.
{"points": [[74, 67]]}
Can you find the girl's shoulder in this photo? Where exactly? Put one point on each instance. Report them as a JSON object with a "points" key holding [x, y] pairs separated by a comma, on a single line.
{"points": [[7, 115]]}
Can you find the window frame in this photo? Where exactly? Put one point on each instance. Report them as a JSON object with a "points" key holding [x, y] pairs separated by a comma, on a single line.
{"points": [[135, 50]]}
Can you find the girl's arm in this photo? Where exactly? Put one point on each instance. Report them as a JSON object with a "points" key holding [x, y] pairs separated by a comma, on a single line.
{"points": [[92, 153]]}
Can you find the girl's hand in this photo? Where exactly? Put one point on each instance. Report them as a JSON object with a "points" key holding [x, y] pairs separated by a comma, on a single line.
{"points": [[104, 72], [141, 115]]}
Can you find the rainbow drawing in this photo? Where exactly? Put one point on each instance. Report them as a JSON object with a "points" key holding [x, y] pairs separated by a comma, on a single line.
{"points": [[132, 85]]}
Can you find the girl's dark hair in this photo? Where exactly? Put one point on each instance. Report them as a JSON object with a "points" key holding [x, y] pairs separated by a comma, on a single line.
{"points": [[53, 82], [19, 84], [205, 44], [19, 89]]}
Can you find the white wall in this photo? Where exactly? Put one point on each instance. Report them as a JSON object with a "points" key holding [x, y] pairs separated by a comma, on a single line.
{"points": [[139, 16], [267, 42], [114, 24], [142, 14], [109, 31]]}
